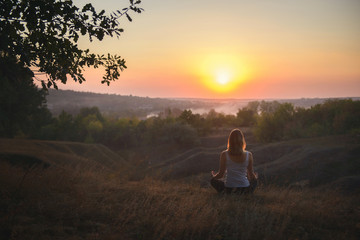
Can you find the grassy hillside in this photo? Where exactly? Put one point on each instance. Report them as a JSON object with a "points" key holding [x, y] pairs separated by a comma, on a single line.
{"points": [[92, 204], [318, 160], [314, 161], [83, 193], [61, 154]]}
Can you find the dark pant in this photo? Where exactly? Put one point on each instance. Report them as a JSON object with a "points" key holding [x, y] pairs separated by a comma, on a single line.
{"points": [[220, 187]]}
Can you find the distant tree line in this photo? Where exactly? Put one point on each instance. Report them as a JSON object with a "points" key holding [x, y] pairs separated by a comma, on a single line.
{"points": [[275, 121], [117, 105], [271, 121], [182, 129]]}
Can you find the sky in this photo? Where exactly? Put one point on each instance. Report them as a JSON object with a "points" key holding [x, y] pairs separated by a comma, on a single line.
{"points": [[258, 49]]}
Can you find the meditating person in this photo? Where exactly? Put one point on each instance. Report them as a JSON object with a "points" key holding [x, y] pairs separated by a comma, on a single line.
{"points": [[236, 167]]}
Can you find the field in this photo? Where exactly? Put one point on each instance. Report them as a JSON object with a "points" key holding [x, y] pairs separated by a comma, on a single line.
{"points": [[64, 190]]}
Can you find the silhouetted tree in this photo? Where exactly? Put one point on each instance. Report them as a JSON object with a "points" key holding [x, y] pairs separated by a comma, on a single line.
{"points": [[43, 35], [39, 37], [22, 104]]}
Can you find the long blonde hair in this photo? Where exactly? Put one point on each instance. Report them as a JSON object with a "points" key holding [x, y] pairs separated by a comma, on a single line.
{"points": [[236, 142]]}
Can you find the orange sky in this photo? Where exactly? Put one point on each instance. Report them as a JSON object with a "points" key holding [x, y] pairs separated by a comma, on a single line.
{"points": [[234, 49]]}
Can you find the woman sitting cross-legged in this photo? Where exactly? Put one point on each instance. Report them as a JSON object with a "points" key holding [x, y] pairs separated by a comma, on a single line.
{"points": [[236, 165]]}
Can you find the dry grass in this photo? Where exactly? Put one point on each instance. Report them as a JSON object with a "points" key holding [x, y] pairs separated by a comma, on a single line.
{"points": [[88, 204]]}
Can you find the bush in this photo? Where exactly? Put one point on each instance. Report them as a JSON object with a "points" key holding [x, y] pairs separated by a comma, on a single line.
{"points": [[181, 134]]}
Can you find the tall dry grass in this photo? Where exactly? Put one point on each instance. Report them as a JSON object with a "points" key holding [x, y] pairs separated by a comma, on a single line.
{"points": [[82, 203]]}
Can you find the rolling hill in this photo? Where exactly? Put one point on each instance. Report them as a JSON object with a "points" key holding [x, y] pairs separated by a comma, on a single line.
{"points": [[88, 195], [333, 160], [118, 105], [55, 153], [325, 161]]}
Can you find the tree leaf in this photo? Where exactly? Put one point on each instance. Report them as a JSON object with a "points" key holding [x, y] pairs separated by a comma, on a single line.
{"points": [[128, 17]]}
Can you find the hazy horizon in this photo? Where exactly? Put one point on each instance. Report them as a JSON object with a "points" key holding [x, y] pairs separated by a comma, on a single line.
{"points": [[115, 103], [207, 98]]}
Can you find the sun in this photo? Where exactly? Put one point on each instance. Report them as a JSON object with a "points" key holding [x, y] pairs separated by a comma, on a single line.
{"points": [[223, 73], [222, 77]]}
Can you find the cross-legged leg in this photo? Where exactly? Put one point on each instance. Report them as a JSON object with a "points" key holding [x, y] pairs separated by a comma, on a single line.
{"points": [[217, 184]]}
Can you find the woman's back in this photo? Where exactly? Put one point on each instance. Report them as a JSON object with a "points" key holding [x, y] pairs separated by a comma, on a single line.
{"points": [[236, 170], [236, 165]]}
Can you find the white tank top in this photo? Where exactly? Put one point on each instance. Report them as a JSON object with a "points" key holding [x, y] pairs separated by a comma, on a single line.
{"points": [[236, 173]]}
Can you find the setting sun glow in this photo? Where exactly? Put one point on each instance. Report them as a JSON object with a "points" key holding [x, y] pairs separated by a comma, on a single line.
{"points": [[223, 73], [253, 49]]}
